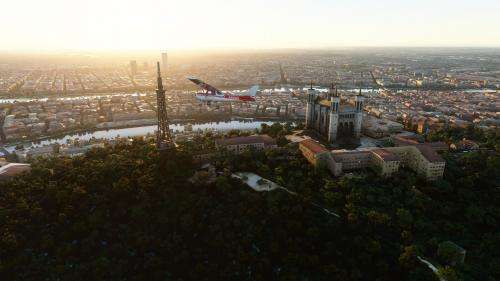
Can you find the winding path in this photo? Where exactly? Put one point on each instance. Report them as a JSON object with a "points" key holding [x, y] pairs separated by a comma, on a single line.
{"points": [[261, 184], [431, 267]]}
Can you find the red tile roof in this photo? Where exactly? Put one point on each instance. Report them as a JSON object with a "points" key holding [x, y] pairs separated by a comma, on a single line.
{"points": [[406, 140], [313, 146], [438, 145], [386, 155], [267, 140], [337, 155], [429, 153]]}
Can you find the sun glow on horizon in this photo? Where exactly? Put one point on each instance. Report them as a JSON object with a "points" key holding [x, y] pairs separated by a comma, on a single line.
{"points": [[198, 24]]}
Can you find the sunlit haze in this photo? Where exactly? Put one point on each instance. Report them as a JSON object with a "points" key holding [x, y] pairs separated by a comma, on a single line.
{"points": [[196, 24]]}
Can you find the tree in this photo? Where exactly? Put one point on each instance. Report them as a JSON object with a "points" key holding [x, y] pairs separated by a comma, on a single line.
{"points": [[405, 218], [447, 273], [118, 205], [450, 253], [408, 258]]}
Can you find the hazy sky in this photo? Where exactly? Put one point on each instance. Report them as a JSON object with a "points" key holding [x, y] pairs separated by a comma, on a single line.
{"points": [[198, 24]]}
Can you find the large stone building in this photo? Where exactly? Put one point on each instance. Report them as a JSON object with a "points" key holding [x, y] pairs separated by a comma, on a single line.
{"points": [[240, 144], [331, 117], [421, 158], [315, 153]]}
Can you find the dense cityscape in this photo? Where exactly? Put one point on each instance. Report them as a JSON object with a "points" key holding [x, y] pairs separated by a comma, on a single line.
{"points": [[446, 69], [250, 140], [468, 97]]}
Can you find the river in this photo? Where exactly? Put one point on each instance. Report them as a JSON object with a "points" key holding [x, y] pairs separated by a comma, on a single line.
{"points": [[144, 130], [264, 90], [59, 98]]}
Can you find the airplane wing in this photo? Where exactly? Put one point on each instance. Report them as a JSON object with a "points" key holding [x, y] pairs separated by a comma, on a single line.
{"points": [[204, 85]]}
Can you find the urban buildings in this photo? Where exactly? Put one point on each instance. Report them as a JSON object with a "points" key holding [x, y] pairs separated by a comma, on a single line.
{"points": [[394, 70], [378, 128], [58, 102]]}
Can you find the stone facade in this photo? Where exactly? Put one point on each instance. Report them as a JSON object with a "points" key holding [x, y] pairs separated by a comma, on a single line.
{"points": [[420, 158], [331, 118], [317, 155], [240, 144]]}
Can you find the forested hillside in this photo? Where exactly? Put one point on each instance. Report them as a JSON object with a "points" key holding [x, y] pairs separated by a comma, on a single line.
{"points": [[124, 213]]}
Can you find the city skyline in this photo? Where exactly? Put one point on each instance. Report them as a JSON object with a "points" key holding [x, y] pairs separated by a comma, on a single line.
{"points": [[126, 25]]}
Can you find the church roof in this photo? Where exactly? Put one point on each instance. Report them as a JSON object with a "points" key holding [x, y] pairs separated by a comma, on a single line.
{"points": [[325, 102], [346, 107]]}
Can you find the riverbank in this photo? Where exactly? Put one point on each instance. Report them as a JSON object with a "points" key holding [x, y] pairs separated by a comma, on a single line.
{"points": [[176, 123], [244, 125]]}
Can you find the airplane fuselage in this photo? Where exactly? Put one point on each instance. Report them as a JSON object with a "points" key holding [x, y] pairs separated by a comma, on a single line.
{"points": [[213, 94], [223, 98]]}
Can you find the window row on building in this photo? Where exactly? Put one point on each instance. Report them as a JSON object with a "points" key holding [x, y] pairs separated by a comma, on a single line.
{"points": [[421, 158]]}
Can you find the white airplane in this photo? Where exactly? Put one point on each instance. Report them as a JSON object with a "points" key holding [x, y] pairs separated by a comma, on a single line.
{"points": [[213, 94]]}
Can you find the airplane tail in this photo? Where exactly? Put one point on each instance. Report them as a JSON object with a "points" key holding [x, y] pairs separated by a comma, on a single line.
{"points": [[253, 91]]}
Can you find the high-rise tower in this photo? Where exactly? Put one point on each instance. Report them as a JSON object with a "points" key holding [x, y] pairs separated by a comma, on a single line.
{"points": [[164, 61], [163, 137], [133, 67]]}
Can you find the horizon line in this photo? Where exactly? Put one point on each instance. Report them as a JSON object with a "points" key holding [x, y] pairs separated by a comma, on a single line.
{"points": [[210, 49]]}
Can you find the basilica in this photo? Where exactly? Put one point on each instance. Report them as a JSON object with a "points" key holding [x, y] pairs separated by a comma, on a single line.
{"points": [[332, 118]]}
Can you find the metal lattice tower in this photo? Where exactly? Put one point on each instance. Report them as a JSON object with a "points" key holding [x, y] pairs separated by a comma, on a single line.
{"points": [[163, 137]]}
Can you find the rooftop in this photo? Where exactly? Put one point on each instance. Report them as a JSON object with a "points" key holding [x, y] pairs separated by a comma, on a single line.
{"points": [[406, 139], [313, 146], [246, 140], [438, 145], [429, 153], [364, 150], [338, 154], [344, 106], [386, 155]]}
